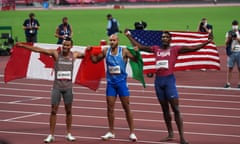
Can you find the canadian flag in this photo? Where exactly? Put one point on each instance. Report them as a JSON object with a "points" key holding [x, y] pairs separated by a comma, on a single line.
{"points": [[24, 63]]}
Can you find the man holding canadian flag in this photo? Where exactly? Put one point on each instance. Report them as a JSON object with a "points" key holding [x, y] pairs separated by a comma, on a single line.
{"points": [[62, 85]]}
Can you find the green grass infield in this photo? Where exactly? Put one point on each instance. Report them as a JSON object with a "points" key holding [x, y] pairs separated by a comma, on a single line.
{"points": [[89, 25]]}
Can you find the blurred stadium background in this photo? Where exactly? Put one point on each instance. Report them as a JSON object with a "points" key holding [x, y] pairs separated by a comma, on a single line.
{"points": [[13, 4]]}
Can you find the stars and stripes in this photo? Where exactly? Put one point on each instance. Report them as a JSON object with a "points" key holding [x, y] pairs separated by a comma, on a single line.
{"points": [[206, 57]]}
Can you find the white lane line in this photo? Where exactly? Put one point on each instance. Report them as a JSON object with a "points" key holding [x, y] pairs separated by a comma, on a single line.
{"points": [[28, 90], [131, 90], [148, 104], [25, 100], [148, 85], [20, 117], [125, 128], [146, 91], [213, 101], [134, 110], [82, 137], [135, 119]]}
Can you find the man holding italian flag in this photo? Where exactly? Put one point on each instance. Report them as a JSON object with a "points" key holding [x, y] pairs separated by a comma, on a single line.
{"points": [[116, 58]]}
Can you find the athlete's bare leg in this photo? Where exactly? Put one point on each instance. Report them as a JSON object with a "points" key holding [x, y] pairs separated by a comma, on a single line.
{"points": [[53, 118], [178, 119], [110, 112], [168, 120], [129, 117]]}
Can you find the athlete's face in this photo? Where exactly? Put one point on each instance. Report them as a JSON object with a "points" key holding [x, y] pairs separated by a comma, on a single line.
{"points": [[113, 40], [66, 47], [166, 38]]}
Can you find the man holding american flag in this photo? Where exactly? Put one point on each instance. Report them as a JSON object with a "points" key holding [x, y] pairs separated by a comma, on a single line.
{"points": [[165, 83]]}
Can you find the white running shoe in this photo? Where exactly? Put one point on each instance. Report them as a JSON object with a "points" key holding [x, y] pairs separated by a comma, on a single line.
{"points": [[133, 137], [49, 139], [108, 136], [70, 137]]}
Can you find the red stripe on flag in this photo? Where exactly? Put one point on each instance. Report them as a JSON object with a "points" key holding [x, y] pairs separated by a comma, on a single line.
{"points": [[17, 64], [207, 57]]}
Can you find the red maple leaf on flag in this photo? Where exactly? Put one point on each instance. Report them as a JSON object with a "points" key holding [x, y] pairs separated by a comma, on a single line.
{"points": [[48, 61]]}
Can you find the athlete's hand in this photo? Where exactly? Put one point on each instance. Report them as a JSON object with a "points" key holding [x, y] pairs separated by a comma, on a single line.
{"points": [[88, 48], [210, 37], [136, 48], [127, 32]]}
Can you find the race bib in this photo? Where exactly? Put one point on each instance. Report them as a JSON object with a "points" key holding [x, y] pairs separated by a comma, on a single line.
{"points": [[114, 69], [162, 64], [64, 75]]}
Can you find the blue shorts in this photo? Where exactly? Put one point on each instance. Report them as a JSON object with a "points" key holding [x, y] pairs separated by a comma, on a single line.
{"points": [[120, 89], [165, 87], [66, 94], [232, 59]]}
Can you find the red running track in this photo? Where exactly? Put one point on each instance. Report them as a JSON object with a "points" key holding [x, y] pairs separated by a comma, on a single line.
{"points": [[211, 113]]}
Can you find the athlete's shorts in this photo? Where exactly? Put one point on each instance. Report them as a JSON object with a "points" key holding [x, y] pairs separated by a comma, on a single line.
{"points": [[120, 89], [66, 94], [233, 58], [165, 87]]}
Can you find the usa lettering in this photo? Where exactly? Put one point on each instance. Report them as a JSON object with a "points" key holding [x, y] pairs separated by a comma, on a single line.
{"points": [[163, 54]]}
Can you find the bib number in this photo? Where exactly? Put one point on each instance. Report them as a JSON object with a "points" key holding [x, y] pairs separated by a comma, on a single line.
{"points": [[64, 75], [162, 64], [114, 69]]}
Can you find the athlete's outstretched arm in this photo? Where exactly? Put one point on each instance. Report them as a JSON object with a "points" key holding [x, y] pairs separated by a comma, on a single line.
{"points": [[135, 43], [51, 52], [185, 49]]}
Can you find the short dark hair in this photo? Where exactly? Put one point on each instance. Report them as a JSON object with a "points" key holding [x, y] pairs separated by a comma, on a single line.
{"points": [[69, 39], [65, 18], [141, 25], [168, 33], [109, 15], [31, 14], [234, 22]]}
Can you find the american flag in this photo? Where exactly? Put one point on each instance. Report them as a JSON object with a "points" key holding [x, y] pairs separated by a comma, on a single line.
{"points": [[206, 57]]}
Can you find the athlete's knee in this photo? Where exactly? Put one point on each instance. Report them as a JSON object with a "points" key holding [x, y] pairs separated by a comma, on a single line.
{"points": [[54, 109], [68, 112], [126, 106], [110, 109], [176, 110], [110, 106], [177, 115], [167, 115], [53, 112], [68, 109]]}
